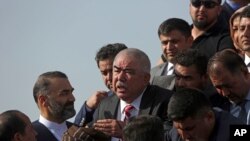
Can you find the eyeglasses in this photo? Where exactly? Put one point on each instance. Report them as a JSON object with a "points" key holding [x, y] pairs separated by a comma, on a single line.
{"points": [[206, 4]]}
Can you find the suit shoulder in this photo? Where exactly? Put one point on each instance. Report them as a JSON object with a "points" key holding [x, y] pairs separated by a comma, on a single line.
{"points": [[161, 92]]}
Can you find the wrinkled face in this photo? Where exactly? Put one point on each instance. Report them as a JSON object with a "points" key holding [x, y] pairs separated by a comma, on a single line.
{"points": [[204, 13], [194, 129], [189, 77], [129, 79], [29, 133], [106, 67], [174, 42], [61, 99], [232, 86], [244, 33]]}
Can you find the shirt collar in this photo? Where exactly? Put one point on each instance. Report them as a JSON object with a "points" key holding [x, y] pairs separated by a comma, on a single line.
{"points": [[247, 60], [52, 125], [136, 103]]}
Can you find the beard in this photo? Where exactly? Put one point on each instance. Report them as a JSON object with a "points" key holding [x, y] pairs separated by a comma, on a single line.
{"points": [[200, 24], [61, 111]]}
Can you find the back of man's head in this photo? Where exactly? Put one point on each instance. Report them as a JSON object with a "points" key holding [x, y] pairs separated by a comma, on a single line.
{"points": [[10, 124], [186, 103], [144, 128]]}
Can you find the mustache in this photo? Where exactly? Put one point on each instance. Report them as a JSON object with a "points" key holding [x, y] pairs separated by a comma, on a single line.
{"points": [[120, 84], [69, 104]]}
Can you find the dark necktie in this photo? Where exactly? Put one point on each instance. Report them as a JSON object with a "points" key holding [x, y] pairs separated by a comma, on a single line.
{"points": [[243, 114]]}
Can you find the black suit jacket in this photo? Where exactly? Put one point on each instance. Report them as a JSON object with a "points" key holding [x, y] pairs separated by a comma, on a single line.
{"points": [[154, 102], [43, 133]]}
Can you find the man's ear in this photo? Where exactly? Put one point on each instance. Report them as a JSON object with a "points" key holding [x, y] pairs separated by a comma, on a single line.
{"points": [[43, 100], [17, 137], [209, 117]]}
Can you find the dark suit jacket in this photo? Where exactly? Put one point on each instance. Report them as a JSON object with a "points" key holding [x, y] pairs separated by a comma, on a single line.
{"points": [[221, 131], [154, 102], [43, 133]]}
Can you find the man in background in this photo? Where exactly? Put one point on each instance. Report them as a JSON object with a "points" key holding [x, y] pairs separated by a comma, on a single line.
{"points": [[175, 36], [104, 59]]}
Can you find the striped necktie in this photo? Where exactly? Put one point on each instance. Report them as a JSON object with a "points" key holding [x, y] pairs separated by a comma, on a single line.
{"points": [[127, 111]]}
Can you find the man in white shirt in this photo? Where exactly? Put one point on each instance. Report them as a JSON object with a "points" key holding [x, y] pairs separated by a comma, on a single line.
{"points": [[53, 94], [131, 74]]}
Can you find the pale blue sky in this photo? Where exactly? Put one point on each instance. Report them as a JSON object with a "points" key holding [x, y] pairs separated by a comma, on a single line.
{"points": [[37, 36]]}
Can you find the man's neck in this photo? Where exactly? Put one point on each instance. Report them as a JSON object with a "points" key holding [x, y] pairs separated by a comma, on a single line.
{"points": [[196, 32]]}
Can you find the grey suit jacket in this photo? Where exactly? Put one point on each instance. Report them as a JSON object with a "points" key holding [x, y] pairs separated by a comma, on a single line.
{"points": [[158, 70], [154, 102], [158, 78]]}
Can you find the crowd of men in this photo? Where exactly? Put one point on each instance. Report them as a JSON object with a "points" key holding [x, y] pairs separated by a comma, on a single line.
{"points": [[199, 87]]}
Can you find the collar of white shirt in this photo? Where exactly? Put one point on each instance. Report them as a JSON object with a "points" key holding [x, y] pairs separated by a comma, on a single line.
{"points": [[136, 103], [247, 60], [56, 129]]}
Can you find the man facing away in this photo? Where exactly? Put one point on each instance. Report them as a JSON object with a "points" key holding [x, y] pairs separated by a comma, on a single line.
{"points": [[53, 95], [16, 126]]}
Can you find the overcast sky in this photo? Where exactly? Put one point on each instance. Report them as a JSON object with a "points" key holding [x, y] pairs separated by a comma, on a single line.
{"points": [[37, 36]]}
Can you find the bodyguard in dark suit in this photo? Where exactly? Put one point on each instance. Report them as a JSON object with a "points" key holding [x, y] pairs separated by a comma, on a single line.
{"points": [[53, 94], [131, 74]]}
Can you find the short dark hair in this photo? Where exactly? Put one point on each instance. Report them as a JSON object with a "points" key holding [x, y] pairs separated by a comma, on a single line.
{"points": [[229, 59], [109, 51], [174, 24], [187, 102], [43, 83], [191, 57], [10, 124], [144, 128]]}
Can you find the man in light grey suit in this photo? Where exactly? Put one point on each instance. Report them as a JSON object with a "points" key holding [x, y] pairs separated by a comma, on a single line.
{"points": [[131, 74], [175, 36]]}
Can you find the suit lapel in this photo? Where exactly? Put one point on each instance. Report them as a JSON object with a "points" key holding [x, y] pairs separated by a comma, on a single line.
{"points": [[146, 101], [161, 69], [113, 107]]}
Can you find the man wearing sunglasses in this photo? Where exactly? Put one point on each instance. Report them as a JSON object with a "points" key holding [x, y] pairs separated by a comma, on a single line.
{"points": [[208, 30]]}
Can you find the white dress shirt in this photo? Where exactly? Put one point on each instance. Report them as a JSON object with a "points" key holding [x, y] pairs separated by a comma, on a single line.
{"points": [[247, 62], [56, 129], [121, 115]]}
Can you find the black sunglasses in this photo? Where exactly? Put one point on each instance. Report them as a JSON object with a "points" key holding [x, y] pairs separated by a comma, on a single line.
{"points": [[206, 4]]}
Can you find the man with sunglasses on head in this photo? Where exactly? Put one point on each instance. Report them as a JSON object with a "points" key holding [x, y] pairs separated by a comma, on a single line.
{"points": [[208, 30]]}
